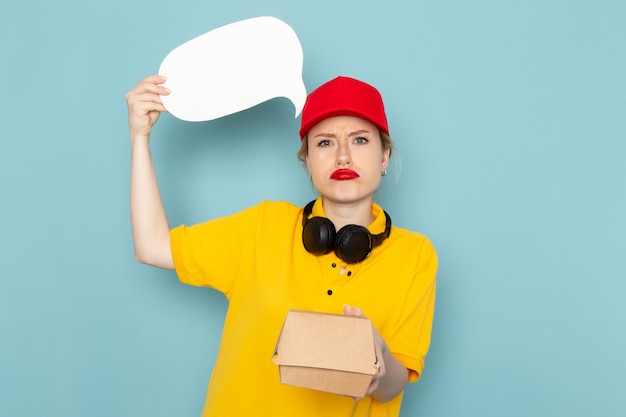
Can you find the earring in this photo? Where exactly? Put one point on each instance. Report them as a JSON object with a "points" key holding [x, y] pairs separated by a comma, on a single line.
{"points": [[384, 172], [310, 177]]}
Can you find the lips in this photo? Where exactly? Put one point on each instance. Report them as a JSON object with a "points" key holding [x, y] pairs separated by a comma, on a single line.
{"points": [[344, 174]]}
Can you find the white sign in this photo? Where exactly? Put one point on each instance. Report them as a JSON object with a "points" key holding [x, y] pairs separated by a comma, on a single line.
{"points": [[233, 68]]}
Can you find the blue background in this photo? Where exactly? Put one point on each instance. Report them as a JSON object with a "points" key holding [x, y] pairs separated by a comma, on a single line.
{"points": [[509, 120]]}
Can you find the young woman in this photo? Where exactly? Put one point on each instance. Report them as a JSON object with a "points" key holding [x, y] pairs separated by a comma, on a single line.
{"points": [[338, 254]]}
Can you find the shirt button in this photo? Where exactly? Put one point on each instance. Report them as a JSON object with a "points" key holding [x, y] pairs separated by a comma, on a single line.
{"points": [[329, 292], [334, 265], [349, 273]]}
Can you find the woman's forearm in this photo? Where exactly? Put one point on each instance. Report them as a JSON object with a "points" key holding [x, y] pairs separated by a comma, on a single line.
{"points": [[149, 221]]}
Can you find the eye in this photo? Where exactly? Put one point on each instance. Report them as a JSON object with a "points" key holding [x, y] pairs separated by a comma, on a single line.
{"points": [[324, 142], [361, 140]]}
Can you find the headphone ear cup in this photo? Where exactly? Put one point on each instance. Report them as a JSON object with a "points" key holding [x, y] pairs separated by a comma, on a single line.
{"points": [[318, 235], [353, 243]]}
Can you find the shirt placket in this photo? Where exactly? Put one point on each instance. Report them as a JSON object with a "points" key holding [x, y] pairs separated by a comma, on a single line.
{"points": [[337, 274]]}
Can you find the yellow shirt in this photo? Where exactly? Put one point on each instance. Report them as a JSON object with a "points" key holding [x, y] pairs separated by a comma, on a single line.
{"points": [[257, 259]]}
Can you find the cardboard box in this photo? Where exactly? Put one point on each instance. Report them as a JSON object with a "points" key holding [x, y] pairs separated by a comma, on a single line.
{"points": [[326, 352]]}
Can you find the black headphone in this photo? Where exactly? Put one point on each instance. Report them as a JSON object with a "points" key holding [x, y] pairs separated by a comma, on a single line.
{"points": [[352, 243]]}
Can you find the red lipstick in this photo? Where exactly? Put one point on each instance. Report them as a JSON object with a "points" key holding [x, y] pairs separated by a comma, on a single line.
{"points": [[344, 174]]}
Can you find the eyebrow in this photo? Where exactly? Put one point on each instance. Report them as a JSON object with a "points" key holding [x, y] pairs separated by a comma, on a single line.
{"points": [[332, 135]]}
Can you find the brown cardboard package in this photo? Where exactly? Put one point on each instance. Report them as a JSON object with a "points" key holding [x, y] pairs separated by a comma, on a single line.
{"points": [[326, 352]]}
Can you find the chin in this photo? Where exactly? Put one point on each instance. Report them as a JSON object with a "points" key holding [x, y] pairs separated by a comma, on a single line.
{"points": [[345, 192]]}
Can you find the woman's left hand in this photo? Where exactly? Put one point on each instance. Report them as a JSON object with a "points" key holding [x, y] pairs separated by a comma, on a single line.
{"points": [[380, 347]]}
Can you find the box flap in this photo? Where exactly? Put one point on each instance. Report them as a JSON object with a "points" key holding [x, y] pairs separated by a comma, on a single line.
{"points": [[327, 341]]}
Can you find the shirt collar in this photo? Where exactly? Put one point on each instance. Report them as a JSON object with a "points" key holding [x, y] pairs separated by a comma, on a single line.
{"points": [[376, 227]]}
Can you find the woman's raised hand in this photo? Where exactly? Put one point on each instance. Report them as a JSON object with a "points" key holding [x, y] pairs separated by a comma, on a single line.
{"points": [[145, 106]]}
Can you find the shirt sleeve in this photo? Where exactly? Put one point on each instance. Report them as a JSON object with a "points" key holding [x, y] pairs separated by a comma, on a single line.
{"points": [[209, 254], [411, 339]]}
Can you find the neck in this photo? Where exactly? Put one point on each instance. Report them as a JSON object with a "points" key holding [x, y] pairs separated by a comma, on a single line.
{"points": [[341, 214]]}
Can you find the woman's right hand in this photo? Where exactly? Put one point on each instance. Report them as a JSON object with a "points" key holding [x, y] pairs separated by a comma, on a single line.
{"points": [[145, 106]]}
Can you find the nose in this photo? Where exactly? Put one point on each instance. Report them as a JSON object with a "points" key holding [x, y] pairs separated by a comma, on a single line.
{"points": [[343, 154]]}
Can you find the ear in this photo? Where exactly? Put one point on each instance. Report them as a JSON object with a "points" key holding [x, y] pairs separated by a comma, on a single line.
{"points": [[306, 166], [386, 156]]}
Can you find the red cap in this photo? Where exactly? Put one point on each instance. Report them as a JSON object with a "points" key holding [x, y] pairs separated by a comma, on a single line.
{"points": [[343, 96]]}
